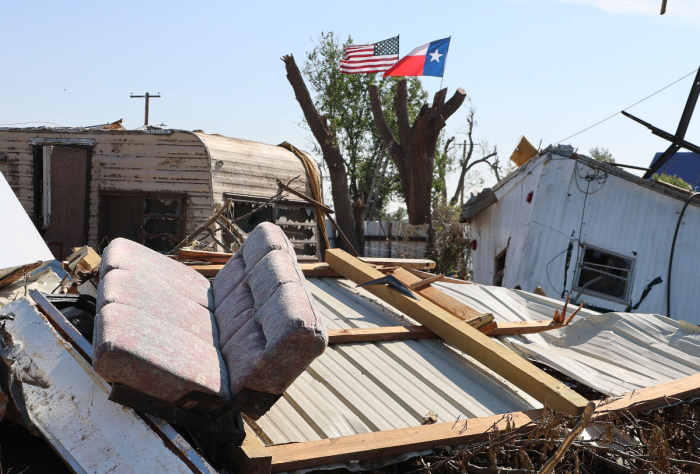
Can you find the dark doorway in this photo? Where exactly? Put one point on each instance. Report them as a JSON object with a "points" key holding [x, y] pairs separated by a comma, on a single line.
{"points": [[68, 168], [500, 267]]}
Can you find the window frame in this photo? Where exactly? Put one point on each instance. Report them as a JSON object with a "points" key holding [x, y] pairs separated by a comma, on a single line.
{"points": [[105, 193], [272, 212], [580, 266]]}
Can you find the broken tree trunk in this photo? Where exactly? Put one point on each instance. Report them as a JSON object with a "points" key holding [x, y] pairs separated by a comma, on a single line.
{"points": [[329, 147], [414, 152]]}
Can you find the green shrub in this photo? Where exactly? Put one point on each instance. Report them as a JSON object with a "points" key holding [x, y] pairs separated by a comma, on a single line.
{"points": [[674, 180]]}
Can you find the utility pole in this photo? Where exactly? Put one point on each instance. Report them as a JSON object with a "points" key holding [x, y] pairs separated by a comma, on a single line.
{"points": [[147, 96]]}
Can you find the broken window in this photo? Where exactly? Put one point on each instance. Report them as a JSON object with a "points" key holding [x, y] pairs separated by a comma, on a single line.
{"points": [[297, 220], [604, 272], [500, 268], [156, 221]]}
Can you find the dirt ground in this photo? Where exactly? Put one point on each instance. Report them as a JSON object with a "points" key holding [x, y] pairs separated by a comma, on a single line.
{"points": [[21, 452]]}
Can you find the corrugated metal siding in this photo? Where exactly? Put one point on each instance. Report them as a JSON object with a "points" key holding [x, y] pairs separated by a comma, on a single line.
{"points": [[251, 168], [612, 353], [620, 216], [173, 161], [357, 388]]}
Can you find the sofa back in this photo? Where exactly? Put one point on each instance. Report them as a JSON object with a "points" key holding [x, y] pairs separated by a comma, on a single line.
{"points": [[269, 327]]}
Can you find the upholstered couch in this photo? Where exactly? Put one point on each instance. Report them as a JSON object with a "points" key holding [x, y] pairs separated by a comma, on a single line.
{"points": [[165, 333]]}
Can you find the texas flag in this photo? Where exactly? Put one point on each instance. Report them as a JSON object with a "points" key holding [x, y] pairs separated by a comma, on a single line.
{"points": [[426, 60]]}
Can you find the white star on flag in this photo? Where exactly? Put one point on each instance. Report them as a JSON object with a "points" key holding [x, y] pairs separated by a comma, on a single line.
{"points": [[435, 56]]}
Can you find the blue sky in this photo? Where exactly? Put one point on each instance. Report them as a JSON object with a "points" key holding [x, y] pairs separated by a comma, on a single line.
{"points": [[545, 69]]}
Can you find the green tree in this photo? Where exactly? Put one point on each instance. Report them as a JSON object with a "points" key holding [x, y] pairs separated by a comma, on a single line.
{"points": [[674, 180], [601, 154], [344, 101]]}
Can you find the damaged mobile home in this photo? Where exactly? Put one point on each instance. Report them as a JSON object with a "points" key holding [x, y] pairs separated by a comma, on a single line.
{"points": [[154, 186], [573, 225]]}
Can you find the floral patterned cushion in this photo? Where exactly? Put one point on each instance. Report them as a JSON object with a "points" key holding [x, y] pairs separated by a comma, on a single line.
{"points": [[125, 254], [230, 313], [272, 271], [133, 348], [125, 287]]}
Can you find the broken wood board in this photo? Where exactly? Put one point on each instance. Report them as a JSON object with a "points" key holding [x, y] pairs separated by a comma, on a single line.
{"points": [[18, 274], [492, 354], [318, 270], [522, 327], [204, 256], [415, 263], [426, 275], [251, 457], [68, 403], [438, 297], [387, 333], [91, 261], [382, 444]]}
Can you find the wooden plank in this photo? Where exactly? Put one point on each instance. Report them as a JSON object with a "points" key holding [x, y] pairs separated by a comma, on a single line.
{"points": [[416, 263], [425, 275], [493, 355], [390, 333], [204, 256], [381, 444], [523, 327], [427, 282], [252, 457], [656, 396], [438, 297], [207, 270], [18, 274], [318, 270]]}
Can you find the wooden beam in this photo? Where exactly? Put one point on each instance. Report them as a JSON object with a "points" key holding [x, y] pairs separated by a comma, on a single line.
{"points": [[252, 457], [420, 284], [523, 327], [381, 444], [318, 270], [18, 274], [493, 355], [438, 297], [424, 275], [322, 207], [390, 333], [208, 271], [656, 396], [204, 256], [417, 263]]}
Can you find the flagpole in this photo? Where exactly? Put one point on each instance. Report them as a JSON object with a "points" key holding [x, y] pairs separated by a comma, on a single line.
{"points": [[443, 69]]}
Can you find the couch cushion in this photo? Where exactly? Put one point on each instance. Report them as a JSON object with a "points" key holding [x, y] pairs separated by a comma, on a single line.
{"points": [[229, 313], [124, 254], [265, 238], [133, 348], [272, 271], [269, 352], [162, 302], [228, 278]]}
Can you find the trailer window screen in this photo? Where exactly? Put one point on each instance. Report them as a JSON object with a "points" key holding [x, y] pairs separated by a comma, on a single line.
{"points": [[156, 221], [606, 273]]}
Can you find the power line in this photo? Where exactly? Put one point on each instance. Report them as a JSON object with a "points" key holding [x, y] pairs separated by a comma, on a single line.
{"points": [[629, 107]]}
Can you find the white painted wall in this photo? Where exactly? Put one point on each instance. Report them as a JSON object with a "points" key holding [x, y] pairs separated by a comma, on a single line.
{"points": [[20, 242], [620, 216]]}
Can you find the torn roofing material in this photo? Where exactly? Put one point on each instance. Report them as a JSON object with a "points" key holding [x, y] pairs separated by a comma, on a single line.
{"points": [[364, 387], [67, 402], [611, 353], [19, 234]]}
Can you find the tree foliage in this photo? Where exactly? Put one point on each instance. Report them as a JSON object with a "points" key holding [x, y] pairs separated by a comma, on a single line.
{"points": [[344, 100], [601, 154], [674, 180]]}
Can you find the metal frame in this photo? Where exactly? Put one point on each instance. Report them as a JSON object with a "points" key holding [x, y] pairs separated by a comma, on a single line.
{"points": [[580, 266]]}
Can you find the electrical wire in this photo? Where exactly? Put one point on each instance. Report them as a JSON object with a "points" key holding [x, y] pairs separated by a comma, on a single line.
{"points": [[627, 108]]}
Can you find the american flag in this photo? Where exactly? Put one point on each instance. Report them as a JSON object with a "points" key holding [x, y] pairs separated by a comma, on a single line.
{"points": [[376, 57]]}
